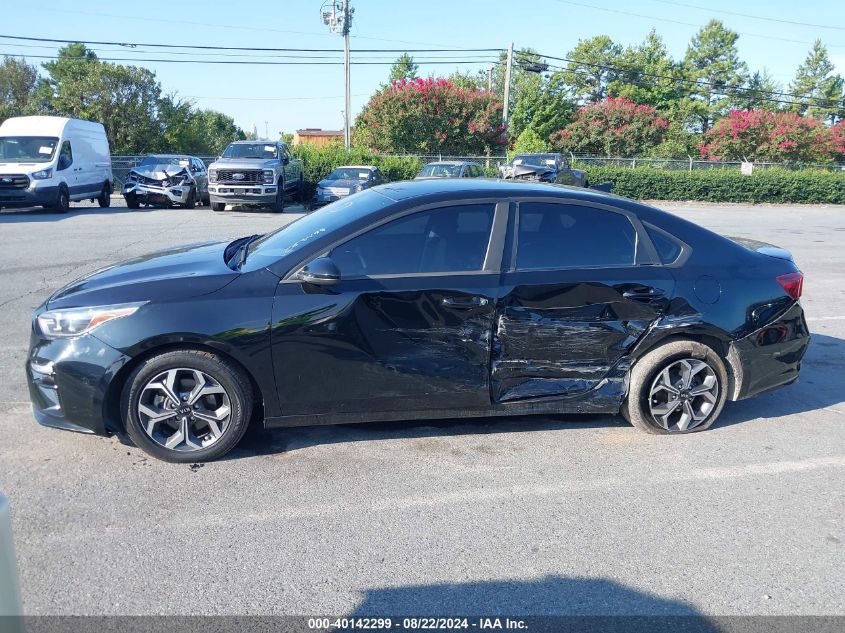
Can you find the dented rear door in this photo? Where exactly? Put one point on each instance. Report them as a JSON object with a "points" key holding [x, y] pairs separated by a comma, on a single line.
{"points": [[575, 299]]}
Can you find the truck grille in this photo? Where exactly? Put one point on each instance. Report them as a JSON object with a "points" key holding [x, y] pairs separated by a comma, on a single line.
{"points": [[14, 181], [240, 176]]}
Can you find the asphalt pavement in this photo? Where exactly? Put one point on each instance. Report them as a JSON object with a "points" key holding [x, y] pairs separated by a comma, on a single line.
{"points": [[543, 515]]}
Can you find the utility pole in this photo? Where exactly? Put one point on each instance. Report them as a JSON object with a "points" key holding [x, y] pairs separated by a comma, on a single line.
{"points": [[337, 15], [490, 79], [507, 97]]}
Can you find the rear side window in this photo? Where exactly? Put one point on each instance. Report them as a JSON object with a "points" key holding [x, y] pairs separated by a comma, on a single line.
{"points": [[668, 248], [449, 239], [555, 236]]}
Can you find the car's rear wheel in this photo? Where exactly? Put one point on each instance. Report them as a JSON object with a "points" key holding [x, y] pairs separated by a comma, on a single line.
{"points": [[187, 406], [191, 202], [678, 387], [104, 199]]}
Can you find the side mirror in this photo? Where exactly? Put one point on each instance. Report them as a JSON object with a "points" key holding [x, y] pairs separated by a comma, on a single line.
{"points": [[285, 160], [321, 272]]}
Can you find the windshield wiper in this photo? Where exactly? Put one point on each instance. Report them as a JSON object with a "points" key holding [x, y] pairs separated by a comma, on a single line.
{"points": [[238, 250]]}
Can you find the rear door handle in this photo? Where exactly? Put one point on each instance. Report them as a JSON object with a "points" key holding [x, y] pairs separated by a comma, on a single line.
{"points": [[469, 302]]}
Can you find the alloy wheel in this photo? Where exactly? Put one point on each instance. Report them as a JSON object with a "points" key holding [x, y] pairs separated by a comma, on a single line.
{"points": [[683, 394], [184, 409]]}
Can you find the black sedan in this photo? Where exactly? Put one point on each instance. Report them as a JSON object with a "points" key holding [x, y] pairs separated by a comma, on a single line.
{"points": [[414, 300]]}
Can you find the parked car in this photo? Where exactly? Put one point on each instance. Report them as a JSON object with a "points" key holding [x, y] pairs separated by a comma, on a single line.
{"points": [[450, 169], [167, 179], [418, 300], [52, 161], [345, 181], [544, 168], [255, 172]]}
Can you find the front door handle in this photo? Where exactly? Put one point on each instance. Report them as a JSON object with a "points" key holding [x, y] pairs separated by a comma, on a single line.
{"points": [[643, 294], [465, 303]]}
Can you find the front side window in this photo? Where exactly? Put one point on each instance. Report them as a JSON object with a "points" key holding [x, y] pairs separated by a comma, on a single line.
{"points": [[65, 156], [444, 240], [555, 236]]}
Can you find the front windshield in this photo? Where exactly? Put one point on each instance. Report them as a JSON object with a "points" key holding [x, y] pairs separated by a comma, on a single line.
{"points": [[310, 228], [535, 160], [176, 161], [27, 149], [267, 151], [349, 173], [435, 170]]}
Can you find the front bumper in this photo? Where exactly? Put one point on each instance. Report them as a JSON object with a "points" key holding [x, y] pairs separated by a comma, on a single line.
{"points": [[69, 383], [243, 194], [30, 197], [769, 357], [322, 198], [177, 194]]}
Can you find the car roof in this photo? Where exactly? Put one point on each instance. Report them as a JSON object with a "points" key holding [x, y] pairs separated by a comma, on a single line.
{"points": [[370, 167], [451, 162], [255, 142], [486, 187], [169, 156]]}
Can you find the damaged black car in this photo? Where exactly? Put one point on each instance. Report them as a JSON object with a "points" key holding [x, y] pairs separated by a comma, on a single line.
{"points": [[165, 180], [543, 168], [418, 300]]}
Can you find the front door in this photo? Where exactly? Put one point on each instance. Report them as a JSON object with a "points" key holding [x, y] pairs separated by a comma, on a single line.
{"points": [[408, 326], [575, 300]]}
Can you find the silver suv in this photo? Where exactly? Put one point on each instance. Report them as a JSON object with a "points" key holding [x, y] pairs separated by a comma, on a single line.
{"points": [[255, 172]]}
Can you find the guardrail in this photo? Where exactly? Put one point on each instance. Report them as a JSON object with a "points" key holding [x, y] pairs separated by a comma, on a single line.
{"points": [[10, 597]]}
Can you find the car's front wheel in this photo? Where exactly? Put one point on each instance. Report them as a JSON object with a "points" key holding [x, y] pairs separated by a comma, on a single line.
{"points": [[187, 406], [678, 387]]}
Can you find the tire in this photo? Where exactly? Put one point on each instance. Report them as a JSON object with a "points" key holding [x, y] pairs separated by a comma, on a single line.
{"points": [[228, 390], [132, 201], [104, 199], [279, 206], [300, 191], [191, 202], [62, 204], [586, 184], [218, 206], [671, 363]]}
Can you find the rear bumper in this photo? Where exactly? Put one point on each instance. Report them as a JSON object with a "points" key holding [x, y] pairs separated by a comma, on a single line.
{"points": [[770, 357], [69, 382]]}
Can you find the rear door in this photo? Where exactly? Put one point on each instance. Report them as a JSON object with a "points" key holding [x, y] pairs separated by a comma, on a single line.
{"points": [[580, 289], [408, 326]]}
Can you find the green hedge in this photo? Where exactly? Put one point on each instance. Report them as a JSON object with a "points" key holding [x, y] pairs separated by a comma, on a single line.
{"points": [[723, 185], [319, 163]]}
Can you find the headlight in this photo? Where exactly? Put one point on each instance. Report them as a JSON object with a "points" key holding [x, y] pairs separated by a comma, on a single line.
{"points": [[44, 174], [356, 188], [132, 177], [212, 175], [55, 324], [269, 177]]}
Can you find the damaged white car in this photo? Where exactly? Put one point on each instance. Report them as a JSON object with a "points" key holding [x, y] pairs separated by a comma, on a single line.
{"points": [[164, 180]]}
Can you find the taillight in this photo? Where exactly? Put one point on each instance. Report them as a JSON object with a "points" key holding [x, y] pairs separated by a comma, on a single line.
{"points": [[793, 283]]}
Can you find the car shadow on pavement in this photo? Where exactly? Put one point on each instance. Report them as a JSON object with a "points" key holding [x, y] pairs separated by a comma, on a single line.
{"points": [[552, 603], [822, 385], [16, 216]]}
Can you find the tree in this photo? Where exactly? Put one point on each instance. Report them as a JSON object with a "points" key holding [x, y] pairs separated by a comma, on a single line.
{"points": [[757, 92], [714, 73], [760, 135], [427, 116], [647, 74], [820, 92], [403, 68], [592, 68], [543, 109], [18, 86], [203, 132], [838, 133], [530, 142], [614, 127]]}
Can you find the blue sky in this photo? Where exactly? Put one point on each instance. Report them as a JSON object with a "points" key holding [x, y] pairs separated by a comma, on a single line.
{"points": [[290, 97]]}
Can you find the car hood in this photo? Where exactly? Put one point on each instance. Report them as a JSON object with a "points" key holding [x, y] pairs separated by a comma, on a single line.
{"points": [[517, 171], [341, 184], [160, 172], [244, 163], [177, 273]]}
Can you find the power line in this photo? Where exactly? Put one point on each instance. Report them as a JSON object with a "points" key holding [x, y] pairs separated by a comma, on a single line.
{"points": [[253, 48], [753, 17], [244, 62], [671, 21]]}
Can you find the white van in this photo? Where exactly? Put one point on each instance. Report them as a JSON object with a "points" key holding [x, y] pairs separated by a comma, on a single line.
{"points": [[50, 161]]}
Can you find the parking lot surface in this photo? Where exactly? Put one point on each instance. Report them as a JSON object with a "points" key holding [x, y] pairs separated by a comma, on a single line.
{"points": [[544, 515]]}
